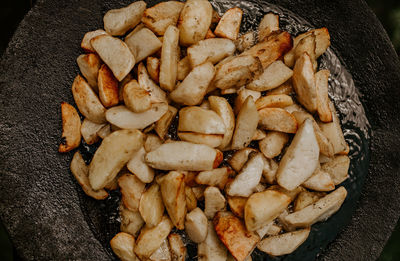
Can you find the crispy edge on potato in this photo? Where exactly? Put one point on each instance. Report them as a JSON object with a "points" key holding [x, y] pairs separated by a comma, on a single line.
{"points": [[71, 128], [108, 87], [229, 25], [277, 119]]}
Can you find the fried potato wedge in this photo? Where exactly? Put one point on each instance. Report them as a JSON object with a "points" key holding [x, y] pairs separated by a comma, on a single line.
{"points": [[122, 245], [272, 145], [319, 181], [233, 234], [80, 172], [124, 118], [269, 23], [259, 135], [131, 189], [184, 68], [263, 207], [115, 53], [152, 142], [196, 225], [156, 93], [192, 89], [323, 109], [131, 221], [191, 200], [240, 158], [108, 87], [277, 119], [119, 21], [246, 125], [87, 101], [178, 248], [242, 95], [194, 21], [306, 45], [197, 119], [181, 155], [273, 76], [211, 249], [142, 43], [229, 25], [71, 125], [306, 198], [245, 41], [162, 15], [212, 140], [236, 205], [89, 65], [136, 98], [337, 168], [113, 153], [173, 195], [210, 50], [248, 178], [304, 148], [89, 131], [216, 177], [214, 201], [104, 131], [151, 206], [163, 124], [153, 68], [283, 244], [162, 253], [222, 107], [292, 194], [284, 88], [274, 101], [85, 44], [138, 166], [269, 170], [169, 58]]}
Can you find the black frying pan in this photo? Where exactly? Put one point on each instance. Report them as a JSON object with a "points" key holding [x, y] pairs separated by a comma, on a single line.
{"points": [[43, 208]]}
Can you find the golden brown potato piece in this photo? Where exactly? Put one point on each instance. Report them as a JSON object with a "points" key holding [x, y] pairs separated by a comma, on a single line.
{"points": [[178, 248], [131, 189], [273, 76], [239, 158], [269, 23], [222, 107], [292, 194], [191, 200], [151, 206], [241, 97], [123, 244], [89, 131], [136, 98], [199, 120], [89, 65], [319, 181], [142, 43], [210, 50], [85, 44], [153, 68], [274, 101], [285, 88], [306, 45], [233, 234], [162, 15], [272, 145], [237, 205], [184, 68], [108, 87], [306, 198], [163, 124], [210, 34], [229, 25], [259, 135], [214, 202], [216, 177], [323, 109], [245, 41], [169, 59], [337, 168], [71, 124], [156, 93], [211, 249], [277, 119]]}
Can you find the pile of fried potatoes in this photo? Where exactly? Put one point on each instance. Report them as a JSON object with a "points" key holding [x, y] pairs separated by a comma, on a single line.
{"points": [[179, 62]]}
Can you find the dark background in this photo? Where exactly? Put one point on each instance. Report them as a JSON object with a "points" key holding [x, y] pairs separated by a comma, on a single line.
{"points": [[12, 12]]}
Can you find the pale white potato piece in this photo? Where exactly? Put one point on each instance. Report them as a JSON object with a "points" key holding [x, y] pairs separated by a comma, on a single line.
{"points": [[138, 166], [89, 131], [108, 87], [269, 170], [277, 119], [273, 76], [229, 25], [197, 119], [124, 118], [104, 131], [304, 148], [71, 128], [212, 140], [259, 135], [169, 59], [323, 109], [196, 225], [119, 21], [306, 45], [142, 43], [153, 68], [214, 202], [123, 245], [191, 199], [269, 23], [242, 95], [261, 232], [210, 50], [272, 145], [162, 253], [192, 89], [248, 178], [237, 204], [156, 93], [131, 221], [152, 142], [162, 15], [89, 65], [85, 44], [194, 21], [211, 249], [173, 195], [306, 198], [274, 101], [263, 207], [151, 206], [319, 181], [319, 211], [114, 152], [216, 177], [80, 172], [178, 248], [150, 239], [283, 244], [337, 168], [184, 68], [239, 158], [163, 124], [246, 125], [136, 98], [292, 194], [245, 41], [115, 53], [131, 189], [233, 234], [304, 83]]}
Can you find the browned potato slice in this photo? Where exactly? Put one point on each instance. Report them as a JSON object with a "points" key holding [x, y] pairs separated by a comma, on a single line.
{"points": [[123, 244], [151, 206], [178, 248], [194, 21], [210, 34], [273, 76], [152, 142], [108, 87], [304, 148], [183, 68], [292, 194], [277, 119], [216, 177], [205, 104], [80, 172], [211, 249], [337, 168], [274, 101], [214, 202], [163, 124], [324, 111], [104, 131], [246, 125], [248, 178], [119, 21], [268, 24], [237, 204], [285, 88], [197, 119], [306, 198], [142, 43], [196, 225], [239, 158], [233, 234], [71, 124], [304, 83], [259, 135], [212, 140], [131, 189], [271, 49], [284, 244], [319, 181], [115, 53], [131, 221], [150, 239], [210, 50], [85, 44], [229, 25], [245, 41], [162, 253], [137, 166], [263, 207], [191, 200], [89, 65], [192, 89], [156, 93], [169, 59], [162, 15], [241, 97], [173, 195], [272, 145], [153, 68], [269, 170], [89, 131], [136, 98]]}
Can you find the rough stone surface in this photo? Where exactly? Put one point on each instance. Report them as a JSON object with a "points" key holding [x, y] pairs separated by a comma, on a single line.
{"points": [[39, 202]]}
